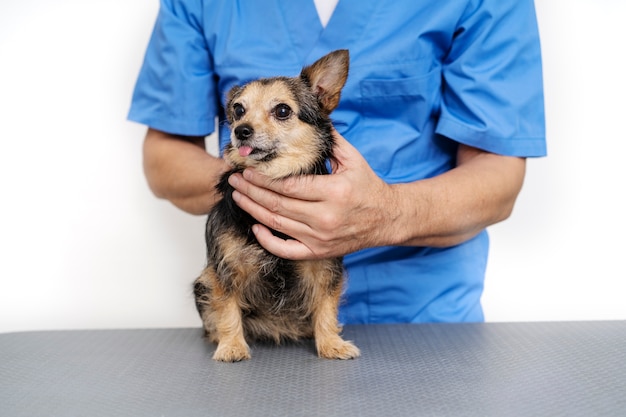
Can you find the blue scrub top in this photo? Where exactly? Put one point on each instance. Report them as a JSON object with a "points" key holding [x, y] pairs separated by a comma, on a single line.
{"points": [[424, 76]]}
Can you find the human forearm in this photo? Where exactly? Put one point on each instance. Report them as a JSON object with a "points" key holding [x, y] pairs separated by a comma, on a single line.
{"points": [[455, 206], [181, 171]]}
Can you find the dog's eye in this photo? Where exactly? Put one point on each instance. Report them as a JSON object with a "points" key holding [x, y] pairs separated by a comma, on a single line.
{"points": [[238, 111], [282, 111]]}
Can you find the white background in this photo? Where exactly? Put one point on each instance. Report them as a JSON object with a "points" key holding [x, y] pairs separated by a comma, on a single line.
{"points": [[84, 244]]}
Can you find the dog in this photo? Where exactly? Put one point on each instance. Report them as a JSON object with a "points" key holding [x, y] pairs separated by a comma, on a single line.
{"points": [[281, 127]]}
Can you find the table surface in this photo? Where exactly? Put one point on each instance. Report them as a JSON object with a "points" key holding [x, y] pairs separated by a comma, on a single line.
{"points": [[482, 369]]}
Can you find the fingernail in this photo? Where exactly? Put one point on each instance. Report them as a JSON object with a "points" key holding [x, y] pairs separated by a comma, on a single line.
{"points": [[247, 174], [255, 229], [236, 196], [233, 180]]}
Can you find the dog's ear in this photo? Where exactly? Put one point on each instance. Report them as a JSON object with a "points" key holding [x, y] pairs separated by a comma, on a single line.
{"points": [[327, 76]]}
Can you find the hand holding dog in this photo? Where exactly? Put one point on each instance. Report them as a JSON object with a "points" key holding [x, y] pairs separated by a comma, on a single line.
{"points": [[352, 209], [326, 215]]}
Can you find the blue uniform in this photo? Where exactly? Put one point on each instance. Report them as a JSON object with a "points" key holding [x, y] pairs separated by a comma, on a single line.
{"points": [[424, 76]]}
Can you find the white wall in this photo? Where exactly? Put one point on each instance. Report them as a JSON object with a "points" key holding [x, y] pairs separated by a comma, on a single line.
{"points": [[83, 243], [561, 256]]}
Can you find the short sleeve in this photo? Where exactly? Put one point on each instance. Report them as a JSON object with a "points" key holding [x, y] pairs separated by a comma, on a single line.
{"points": [[175, 91], [492, 80]]}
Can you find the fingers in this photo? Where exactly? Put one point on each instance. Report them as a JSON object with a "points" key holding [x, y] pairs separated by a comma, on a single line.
{"points": [[303, 187], [271, 209], [343, 152], [283, 248], [250, 194], [286, 215], [286, 249]]}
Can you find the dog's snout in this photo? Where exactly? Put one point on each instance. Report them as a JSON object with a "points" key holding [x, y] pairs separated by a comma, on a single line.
{"points": [[244, 132]]}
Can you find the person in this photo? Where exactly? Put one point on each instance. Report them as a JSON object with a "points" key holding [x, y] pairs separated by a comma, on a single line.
{"points": [[443, 104]]}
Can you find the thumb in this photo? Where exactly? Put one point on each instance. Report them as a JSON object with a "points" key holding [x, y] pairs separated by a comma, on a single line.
{"points": [[343, 152]]}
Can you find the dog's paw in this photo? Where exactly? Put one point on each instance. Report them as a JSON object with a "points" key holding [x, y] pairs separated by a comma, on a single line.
{"points": [[338, 349], [232, 352]]}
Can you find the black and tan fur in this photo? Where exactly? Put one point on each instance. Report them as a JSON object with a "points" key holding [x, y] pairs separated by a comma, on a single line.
{"points": [[281, 127]]}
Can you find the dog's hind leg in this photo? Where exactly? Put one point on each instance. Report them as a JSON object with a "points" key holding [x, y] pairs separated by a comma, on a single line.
{"points": [[203, 296]]}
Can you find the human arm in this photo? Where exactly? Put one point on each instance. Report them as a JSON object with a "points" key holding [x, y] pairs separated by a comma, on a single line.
{"points": [[457, 205], [179, 169], [353, 209]]}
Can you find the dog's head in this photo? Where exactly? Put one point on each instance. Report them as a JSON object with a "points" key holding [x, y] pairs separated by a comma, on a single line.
{"points": [[281, 125]]}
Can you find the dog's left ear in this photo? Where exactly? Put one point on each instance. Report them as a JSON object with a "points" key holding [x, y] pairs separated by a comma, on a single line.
{"points": [[327, 76]]}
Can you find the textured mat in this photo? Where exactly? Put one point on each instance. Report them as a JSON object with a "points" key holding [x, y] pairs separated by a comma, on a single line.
{"points": [[534, 369]]}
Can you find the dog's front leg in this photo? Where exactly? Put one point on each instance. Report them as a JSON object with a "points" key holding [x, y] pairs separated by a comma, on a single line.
{"points": [[328, 342], [232, 346]]}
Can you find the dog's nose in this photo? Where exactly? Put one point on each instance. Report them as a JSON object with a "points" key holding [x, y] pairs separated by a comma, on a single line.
{"points": [[244, 132]]}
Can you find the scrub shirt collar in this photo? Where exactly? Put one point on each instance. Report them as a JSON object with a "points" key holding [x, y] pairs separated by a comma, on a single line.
{"points": [[311, 40]]}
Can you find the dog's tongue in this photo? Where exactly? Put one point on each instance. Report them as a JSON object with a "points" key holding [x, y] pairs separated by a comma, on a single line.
{"points": [[245, 150]]}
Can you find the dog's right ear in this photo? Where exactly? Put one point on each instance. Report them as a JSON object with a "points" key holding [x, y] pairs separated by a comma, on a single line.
{"points": [[327, 76]]}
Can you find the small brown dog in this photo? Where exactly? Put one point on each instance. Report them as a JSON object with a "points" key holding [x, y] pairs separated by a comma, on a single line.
{"points": [[281, 127]]}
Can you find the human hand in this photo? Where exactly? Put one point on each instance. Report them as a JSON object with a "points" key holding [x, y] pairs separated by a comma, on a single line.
{"points": [[325, 215]]}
